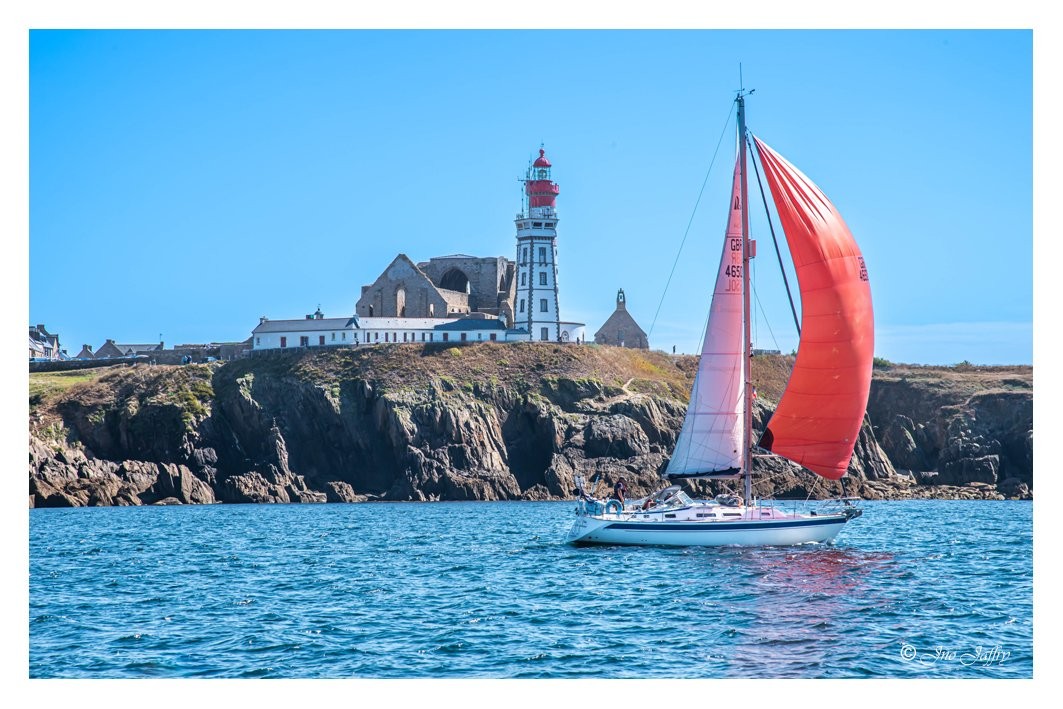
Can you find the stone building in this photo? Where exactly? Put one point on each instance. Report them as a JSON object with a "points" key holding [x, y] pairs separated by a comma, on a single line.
{"points": [[442, 287], [44, 344], [621, 329], [112, 349]]}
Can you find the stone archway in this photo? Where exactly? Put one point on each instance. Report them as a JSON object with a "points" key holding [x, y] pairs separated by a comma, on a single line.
{"points": [[400, 301], [456, 280]]}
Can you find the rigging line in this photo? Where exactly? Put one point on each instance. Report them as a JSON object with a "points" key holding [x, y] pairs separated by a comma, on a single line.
{"points": [[691, 221], [814, 486], [767, 324], [771, 228]]}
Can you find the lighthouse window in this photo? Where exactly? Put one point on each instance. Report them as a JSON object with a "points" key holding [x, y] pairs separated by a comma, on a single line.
{"points": [[542, 305], [521, 309], [544, 334], [524, 255], [549, 225], [524, 279], [542, 254], [537, 225], [542, 278]]}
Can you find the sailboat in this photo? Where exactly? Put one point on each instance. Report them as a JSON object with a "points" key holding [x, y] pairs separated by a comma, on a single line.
{"points": [[820, 412]]}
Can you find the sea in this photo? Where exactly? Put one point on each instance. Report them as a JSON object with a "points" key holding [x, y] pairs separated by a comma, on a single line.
{"points": [[490, 590]]}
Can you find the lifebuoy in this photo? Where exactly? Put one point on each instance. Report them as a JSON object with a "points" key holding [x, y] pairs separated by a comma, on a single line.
{"points": [[613, 507]]}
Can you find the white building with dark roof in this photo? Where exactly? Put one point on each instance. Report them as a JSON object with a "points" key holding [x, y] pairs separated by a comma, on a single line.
{"points": [[318, 331]]}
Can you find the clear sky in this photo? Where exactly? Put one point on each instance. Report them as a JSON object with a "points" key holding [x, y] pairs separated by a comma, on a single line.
{"points": [[184, 183]]}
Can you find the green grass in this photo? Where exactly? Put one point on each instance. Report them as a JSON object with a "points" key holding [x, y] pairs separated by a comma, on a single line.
{"points": [[44, 385]]}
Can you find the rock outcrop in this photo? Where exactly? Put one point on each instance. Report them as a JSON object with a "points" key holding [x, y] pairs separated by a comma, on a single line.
{"points": [[481, 422]]}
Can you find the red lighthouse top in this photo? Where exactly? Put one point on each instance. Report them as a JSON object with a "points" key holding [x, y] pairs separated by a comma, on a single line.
{"points": [[540, 189]]}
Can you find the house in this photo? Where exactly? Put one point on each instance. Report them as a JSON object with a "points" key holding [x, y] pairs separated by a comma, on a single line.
{"points": [[316, 330], [44, 344], [111, 349]]}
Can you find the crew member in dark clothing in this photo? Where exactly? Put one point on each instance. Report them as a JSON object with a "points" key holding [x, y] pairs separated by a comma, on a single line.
{"points": [[618, 491]]}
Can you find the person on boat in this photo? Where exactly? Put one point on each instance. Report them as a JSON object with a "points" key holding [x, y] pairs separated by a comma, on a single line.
{"points": [[618, 491]]}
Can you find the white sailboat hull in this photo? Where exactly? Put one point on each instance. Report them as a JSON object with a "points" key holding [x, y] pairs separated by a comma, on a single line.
{"points": [[633, 529]]}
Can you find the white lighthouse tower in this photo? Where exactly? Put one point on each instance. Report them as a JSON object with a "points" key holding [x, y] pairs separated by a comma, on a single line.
{"points": [[536, 307]]}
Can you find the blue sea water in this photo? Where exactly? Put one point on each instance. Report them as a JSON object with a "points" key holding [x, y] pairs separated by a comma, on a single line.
{"points": [[490, 590]]}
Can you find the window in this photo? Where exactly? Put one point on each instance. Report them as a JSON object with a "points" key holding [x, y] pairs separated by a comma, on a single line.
{"points": [[538, 225], [376, 336], [304, 341], [542, 254], [479, 336], [544, 334], [542, 305], [258, 340], [524, 279], [463, 337], [333, 338], [404, 337], [423, 338], [549, 225], [522, 305], [321, 338], [343, 336], [431, 337], [386, 334], [494, 336], [446, 336], [284, 341], [542, 278], [524, 255]]}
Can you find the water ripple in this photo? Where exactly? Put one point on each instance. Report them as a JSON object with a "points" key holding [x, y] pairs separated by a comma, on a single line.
{"points": [[488, 590]]}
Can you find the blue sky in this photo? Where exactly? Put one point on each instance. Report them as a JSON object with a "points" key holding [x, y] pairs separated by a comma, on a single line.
{"points": [[184, 183]]}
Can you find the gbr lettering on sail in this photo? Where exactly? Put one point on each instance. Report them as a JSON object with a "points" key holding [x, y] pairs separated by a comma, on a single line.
{"points": [[733, 268]]}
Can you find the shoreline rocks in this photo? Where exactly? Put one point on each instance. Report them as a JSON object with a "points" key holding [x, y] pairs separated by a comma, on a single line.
{"points": [[492, 422]]}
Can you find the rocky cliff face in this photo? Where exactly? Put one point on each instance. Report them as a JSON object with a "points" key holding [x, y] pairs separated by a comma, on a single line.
{"points": [[480, 422], [965, 426]]}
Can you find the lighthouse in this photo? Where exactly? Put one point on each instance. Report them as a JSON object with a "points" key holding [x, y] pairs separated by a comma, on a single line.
{"points": [[536, 306]]}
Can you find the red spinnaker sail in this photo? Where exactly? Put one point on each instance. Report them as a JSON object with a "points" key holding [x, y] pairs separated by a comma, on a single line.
{"points": [[819, 415]]}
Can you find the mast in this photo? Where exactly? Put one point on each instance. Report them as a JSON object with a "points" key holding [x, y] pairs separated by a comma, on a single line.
{"points": [[747, 427]]}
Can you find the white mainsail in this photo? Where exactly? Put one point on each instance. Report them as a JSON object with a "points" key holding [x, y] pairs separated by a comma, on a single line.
{"points": [[711, 439]]}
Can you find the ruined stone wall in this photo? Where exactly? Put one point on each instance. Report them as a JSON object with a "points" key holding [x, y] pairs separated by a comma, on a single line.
{"points": [[422, 298], [485, 277]]}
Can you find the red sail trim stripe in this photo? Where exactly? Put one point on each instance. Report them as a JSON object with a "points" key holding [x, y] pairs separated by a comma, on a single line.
{"points": [[819, 415]]}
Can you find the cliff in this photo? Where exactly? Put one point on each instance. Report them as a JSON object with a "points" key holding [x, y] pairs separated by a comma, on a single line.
{"points": [[488, 421]]}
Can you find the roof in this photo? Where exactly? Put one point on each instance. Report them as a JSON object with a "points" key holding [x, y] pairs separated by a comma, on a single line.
{"points": [[152, 347], [401, 323], [473, 324], [621, 319], [302, 325], [542, 161]]}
